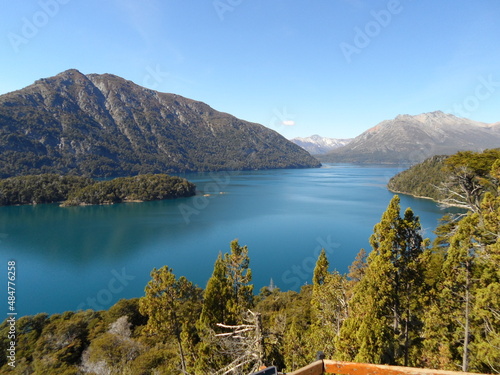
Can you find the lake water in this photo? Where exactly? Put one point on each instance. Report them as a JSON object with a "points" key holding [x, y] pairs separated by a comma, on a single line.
{"points": [[90, 257]]}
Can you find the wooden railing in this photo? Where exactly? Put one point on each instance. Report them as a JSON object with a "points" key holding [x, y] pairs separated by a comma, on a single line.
{"points": [[349, 368]]}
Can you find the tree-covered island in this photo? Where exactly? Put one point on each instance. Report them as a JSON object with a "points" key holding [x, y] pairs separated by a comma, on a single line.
{"points": [[75, 190]]}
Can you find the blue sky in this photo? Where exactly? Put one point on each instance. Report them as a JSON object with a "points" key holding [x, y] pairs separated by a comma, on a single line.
{"points": [[328, 67]]}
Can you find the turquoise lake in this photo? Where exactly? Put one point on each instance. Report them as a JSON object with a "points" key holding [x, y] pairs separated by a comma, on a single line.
{"points": [[90, 257]]}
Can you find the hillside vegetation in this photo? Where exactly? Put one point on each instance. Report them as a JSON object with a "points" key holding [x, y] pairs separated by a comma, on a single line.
{"points": [[454, 180], [103, 125], [408, 302], [73, 190], [421, 180]]}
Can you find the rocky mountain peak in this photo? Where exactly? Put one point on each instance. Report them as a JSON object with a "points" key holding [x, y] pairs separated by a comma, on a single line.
{"points": [[411, 139], [102, 124]]}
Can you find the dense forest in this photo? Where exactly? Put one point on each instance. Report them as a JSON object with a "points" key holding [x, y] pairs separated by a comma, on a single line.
{"points": [[438, 175], [407, 302], [74, 190]]}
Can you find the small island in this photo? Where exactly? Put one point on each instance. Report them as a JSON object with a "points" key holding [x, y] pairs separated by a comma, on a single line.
{"points": [[76, 191]]}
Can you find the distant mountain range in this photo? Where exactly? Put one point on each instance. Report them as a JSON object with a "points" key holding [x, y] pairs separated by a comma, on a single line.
{"points": [[103, 125], [411, 139], [317, 145]]}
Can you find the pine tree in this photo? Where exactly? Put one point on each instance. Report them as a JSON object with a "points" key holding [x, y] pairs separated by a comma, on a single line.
{"points": [[328, 313], [358, 267], [411, 264], [321, 269], [328, 307], [484, 349], [216, 297], [385, 309], [227, 296], [239, 276], [295, 348], [170, 304], [454, 301], [462, 324]]}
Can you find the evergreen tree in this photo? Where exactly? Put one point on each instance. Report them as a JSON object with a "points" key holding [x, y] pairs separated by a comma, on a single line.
{"points": [[169, 305], [216, 297], [462, 324], [295, 347], [385, 309], [485, 313], [321, 269], [228, 294], [358, 267], [329, 307], [448, 347], [239, 276]]}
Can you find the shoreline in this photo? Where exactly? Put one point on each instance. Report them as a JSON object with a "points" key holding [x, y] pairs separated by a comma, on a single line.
{"points": [[428, 198]]}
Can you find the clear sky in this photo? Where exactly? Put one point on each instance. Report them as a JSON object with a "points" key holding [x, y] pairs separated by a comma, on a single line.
{"points": [[301, 67]]}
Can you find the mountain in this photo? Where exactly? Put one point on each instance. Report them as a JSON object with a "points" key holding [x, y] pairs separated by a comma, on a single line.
{"points": [[316, 144], [103, 125], [411, 139]]}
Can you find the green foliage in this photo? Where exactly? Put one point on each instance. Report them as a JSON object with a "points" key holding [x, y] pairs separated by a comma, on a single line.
{"points": [[227, 296], [329, 310], [126, 307], [102, 126], [444, 346], [286, 319], [171, 304], [478, 163], [239, 276], [46, 188], [216, 297], [385, 308], [138, 188], [462, 325], [404, 304], [74, 190], [421, 180], [457, 180], [228, 293], [321, 269]]}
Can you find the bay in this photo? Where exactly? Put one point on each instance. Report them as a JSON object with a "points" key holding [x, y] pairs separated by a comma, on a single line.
{"points": [[90, 257]]}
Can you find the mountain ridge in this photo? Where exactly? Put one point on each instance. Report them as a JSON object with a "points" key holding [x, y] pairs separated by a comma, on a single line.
{"points": [[104, 125], [315, 144], [411, 139]]}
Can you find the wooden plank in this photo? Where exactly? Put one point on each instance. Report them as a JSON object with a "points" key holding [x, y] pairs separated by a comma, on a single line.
{"points": [[349, 368], [315, 368]]}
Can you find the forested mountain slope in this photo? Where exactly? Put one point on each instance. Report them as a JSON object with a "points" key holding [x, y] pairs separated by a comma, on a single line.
{"points": [[442, 177], [103, 125]]}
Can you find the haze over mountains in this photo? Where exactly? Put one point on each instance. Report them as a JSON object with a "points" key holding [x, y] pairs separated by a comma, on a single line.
{"points": [[104, 125], [411, 139], [316, 144]]}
